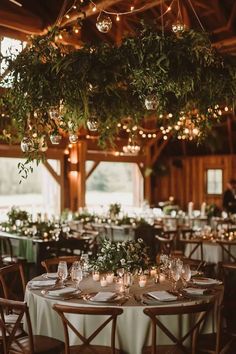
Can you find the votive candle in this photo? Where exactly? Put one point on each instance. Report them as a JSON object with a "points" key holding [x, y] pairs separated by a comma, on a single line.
{"points": [[96, 276], [103, 281]]}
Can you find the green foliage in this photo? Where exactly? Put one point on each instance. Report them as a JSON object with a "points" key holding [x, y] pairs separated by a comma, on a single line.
{"points": [[130, 255], [185, 73]]}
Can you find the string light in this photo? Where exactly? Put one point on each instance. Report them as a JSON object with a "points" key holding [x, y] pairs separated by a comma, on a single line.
{"points": [[94, 9], [117, 17]]}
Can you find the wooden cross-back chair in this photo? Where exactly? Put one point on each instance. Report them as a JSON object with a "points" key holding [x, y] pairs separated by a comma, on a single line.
{"points": [[201, 312], [165, 245], [226, 249], [26, 344], [51, 264], [111, 314], [13, 282], [187, 238]]}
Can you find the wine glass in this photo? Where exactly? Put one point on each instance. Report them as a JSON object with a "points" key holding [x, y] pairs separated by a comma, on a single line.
{"points": [[175, 272], [76, 274], [186, 274], [62, 271]]}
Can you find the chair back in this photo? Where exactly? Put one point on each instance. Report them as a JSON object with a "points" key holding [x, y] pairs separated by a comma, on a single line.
{"points": [[9, 333], [13, 282], [51, 264], [165, 245], [6, 249], [199, 310], [227, 253], [110, 312]]}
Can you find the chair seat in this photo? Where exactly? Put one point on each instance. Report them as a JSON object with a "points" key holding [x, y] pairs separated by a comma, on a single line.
{"points": [[92, 349], [163, 349], [42, 345]]}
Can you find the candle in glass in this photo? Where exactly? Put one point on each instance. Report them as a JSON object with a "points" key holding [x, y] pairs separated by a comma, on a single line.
{"points": [[96, 276], [142, 281], [110, 277], [103, 281]]}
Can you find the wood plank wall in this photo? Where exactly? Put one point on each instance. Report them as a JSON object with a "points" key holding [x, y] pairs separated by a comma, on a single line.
{"points": [[188, 182]]}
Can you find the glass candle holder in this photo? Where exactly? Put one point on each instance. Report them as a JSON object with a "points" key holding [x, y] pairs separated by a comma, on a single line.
{"points": [[110, 277], [142, 281], [103, 282], [96, 275]]}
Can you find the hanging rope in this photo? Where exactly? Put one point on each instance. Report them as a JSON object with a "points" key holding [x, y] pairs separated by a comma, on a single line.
{"points": [[62, 12], [195, 13]]}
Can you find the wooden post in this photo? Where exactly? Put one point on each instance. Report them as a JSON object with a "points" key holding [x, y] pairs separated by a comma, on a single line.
{"points": [[82, 149], [77, 175], [147, 176]]}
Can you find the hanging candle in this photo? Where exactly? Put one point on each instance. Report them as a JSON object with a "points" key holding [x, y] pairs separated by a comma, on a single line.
{"points": [[27, 144], [54, 112], [92, 124], [151, 102], [55, 139], [43, 146], [73, 138], [178, 28], [104, 23]]}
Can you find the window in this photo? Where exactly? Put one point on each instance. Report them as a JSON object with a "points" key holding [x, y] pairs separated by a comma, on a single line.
{"points": [[39, 193], [9, 47], [106, 184], [214, 181]]}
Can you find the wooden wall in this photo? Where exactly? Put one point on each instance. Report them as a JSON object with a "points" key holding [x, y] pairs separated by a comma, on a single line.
{"points": [[186, 179]]}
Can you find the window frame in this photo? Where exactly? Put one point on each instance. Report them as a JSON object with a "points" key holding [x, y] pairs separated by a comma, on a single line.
{"points": [[222, 181]]}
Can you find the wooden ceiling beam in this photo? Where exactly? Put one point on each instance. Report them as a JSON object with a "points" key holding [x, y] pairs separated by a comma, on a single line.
{"points": [[228, 42], [23, 21], [8, 32], [104, 4]]}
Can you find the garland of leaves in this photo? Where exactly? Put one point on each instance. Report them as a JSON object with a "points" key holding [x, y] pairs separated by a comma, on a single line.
{"points": [[185, 74]]}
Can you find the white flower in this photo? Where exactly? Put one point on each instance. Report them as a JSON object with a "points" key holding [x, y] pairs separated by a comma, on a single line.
{"points": [[122, 261], [140, 240]]}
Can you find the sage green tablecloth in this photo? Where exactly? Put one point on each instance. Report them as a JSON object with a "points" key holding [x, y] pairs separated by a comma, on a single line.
{"points": [[133, 326], [25, 249]]}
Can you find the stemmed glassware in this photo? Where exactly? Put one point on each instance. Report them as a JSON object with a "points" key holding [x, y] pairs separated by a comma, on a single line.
{"points": [[176, 266], [76, 274], [186, 274], [62, 271]]}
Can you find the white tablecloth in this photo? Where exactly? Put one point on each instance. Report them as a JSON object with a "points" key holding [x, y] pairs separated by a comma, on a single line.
{"points": [[133, 326], [212, 252]]}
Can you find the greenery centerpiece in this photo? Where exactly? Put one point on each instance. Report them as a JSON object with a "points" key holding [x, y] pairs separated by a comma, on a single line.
{"points": [[130, 255]]}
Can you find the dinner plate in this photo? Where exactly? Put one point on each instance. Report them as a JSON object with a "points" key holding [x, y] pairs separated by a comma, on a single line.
{"points": [[206, 281], [89, 297], [50, 275], [63, 296]]}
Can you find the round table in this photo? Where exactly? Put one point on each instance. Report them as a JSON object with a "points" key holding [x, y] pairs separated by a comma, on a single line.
{"points": [[133, 326]]}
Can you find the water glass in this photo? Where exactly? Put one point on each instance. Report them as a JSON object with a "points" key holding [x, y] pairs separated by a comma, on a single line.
{"points": [[76, 274], [186, 274], [62, 271]]}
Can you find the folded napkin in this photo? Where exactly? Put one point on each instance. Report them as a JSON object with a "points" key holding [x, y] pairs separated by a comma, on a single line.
{"points": [[162, 295], [206, 281], [63, 291], [51, 275], [195, 291], [103, 296], [39, 283]]}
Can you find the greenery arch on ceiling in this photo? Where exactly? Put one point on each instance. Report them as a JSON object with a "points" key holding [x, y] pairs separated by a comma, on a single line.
{"points": [[184, 73]]}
